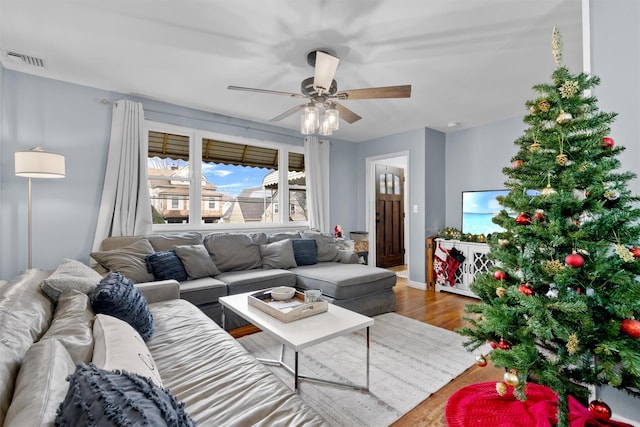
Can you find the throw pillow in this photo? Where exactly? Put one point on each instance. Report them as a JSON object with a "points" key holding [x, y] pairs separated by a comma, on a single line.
{"points": [[197, 261], [40, 385], [71, 274], [116, 296], [72, 325], [128, 261], [234, 251], [166, 265], [98, 397], [305, 251], [278, 255], [327, 249], [118, 346]]}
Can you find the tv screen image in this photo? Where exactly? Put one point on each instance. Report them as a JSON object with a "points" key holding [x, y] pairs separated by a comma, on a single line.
{"points": [[478, 209]]}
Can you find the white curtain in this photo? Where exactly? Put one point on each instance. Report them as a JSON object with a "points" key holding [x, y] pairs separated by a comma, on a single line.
{"points": [[125, 209], [316, 166]]}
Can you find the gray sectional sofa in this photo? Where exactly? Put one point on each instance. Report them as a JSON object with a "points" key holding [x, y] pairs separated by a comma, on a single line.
{"points": [[201, 365], [234, 263]]}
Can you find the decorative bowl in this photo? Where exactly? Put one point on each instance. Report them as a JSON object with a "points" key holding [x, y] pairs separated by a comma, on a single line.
{"points": [[282, 293]]}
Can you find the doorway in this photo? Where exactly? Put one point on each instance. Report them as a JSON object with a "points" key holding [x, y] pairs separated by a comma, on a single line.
{"points": [[389, 215], [400, 230]]}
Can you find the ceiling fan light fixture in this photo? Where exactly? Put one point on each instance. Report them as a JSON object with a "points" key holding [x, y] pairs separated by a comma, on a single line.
{"points": [[326, 128], [332, 116], [309, 120]]}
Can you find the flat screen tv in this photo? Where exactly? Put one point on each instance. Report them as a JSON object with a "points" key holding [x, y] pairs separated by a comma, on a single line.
{"points": [[478, 208]]}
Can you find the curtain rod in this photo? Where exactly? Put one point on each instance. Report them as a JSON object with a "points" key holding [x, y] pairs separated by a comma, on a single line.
{"points": [[106, 101]]}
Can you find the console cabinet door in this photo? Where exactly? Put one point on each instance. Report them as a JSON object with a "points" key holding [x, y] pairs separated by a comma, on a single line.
{"points": [[476, 262]]}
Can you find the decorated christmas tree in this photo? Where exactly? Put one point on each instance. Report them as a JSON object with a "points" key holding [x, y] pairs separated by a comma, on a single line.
{"points": [[560, 305]]}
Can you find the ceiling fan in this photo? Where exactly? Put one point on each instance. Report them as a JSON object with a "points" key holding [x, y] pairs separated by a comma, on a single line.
{"points": [[322, 90]]}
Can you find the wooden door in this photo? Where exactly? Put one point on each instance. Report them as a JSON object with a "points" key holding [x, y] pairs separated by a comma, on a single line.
{"points": [[389, 216]]}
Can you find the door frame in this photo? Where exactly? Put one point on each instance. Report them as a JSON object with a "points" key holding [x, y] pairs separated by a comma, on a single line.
{"points": [[401, 159]]}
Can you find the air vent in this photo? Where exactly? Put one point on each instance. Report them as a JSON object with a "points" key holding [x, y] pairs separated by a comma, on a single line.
{"points": [[20, 58]]}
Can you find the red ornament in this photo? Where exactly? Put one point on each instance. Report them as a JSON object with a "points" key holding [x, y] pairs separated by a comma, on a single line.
{"points": [[631, 327], [504, 345], [493, 345], [599, 410], [523, 219], [574, 260], [481, 361], [608, 142], [539, 216], [518, 163], [500, 275], [635, 251], [525, 289]]}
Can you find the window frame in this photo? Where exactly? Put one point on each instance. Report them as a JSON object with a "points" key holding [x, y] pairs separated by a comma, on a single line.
{"points": [[196, 137]]}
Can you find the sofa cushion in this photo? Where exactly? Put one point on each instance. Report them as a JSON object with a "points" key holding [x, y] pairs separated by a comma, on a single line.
{"points": [[278, 254], [128, 261], [164, 242], [116, 296], [72, 325], [197, 261], [343, 281], [254, 280], [327, 249], [166, 265], [203, 291], [71, 274], [107, 398], [234, 251], [40, 385], [305, 251], [119, 346], [276, 237], [25, 313]]}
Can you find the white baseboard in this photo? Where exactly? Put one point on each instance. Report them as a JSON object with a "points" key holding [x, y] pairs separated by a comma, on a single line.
{"points": [[418, 285]]}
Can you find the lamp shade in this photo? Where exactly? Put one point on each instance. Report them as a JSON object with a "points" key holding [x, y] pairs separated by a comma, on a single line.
{"points": [[36, 163]]}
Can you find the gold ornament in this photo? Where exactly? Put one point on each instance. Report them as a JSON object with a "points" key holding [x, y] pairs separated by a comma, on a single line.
{"points": [[612, 194], [533, 147], [503, 242], [500, 291], [568, 89], [548, 190], [511, 378], [562, 159], [544, 106], [501, 389], [624, 253], [553, 266], [556, 45], [572, 344], [563, 118]]}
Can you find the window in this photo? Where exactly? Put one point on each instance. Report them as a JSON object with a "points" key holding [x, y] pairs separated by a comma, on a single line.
{"points": [[237, 180]]}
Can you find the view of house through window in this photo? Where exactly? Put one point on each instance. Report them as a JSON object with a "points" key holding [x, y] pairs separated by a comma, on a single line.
{"points": [[239, 182]]}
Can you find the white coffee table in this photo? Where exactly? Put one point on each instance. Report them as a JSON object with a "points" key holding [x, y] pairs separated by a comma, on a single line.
{"points": [[303, 333]]}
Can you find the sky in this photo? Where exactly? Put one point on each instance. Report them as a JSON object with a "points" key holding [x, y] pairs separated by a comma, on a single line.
{"points": [[229, 179]]}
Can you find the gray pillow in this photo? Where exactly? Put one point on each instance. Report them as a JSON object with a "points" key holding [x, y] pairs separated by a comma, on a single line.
{"points": [[326, 244], [233, 251], [196, 261], [278, 255], [164, 242], [128, 261], [71, 274]]}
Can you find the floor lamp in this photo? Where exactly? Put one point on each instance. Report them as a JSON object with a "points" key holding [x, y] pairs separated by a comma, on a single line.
{"points": [[36, 163]]}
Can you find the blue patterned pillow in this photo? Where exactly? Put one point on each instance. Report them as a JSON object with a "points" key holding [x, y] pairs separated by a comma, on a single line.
{"points": [[166, 265], [305, 251], [116, 296], [116, 398]]}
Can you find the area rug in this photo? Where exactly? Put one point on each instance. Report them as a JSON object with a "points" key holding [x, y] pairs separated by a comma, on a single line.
{"points": [[410, 360]]}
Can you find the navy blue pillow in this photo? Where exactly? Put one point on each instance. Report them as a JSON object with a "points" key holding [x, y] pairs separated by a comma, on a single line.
{"points": [[116, 398], [305, 251], [116, 296], [165, 265]]}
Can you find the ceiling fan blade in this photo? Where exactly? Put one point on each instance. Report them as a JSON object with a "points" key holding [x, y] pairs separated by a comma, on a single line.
{"points": [[288, 112], [376, 93], [271, 92], [346, 114], [325, 70]]}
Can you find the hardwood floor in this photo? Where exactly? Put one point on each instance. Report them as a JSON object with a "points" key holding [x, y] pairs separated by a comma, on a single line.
{"points": [[444, 310], [441, 309]]}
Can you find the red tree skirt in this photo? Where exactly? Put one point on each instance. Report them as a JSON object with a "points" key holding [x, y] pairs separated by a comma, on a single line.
{"points": [[480, 405]]}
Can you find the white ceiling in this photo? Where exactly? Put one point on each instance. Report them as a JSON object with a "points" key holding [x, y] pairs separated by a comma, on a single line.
{"points": [[469, 61]]}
